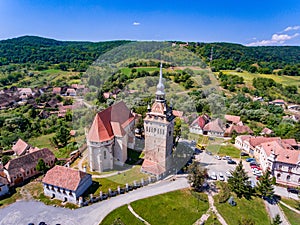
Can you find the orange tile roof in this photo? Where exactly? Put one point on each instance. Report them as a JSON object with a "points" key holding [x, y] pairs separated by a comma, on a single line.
{"points": [[239, 129], [20, 147], [255, 141], [284, 152], [64, 177], [105, 123], [215, 125], [233, 119], [267, 131]]}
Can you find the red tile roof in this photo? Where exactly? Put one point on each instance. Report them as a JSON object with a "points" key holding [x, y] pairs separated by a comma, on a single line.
{"points": [[3, 178], [215, 126], [284, 153], [20, 147], [290, 141], [152, 167], [103, 129], [255, 141], [64, 177], [56, 90], [267, 131], [177, 113], [238, 129], [233, 119], [201, 121]]}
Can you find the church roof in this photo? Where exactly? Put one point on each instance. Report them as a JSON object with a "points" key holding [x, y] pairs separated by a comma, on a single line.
{"points": [[110, 122]]}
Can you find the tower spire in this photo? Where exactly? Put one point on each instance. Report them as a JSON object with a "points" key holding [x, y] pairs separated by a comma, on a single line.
{"points": [[160, 92]]}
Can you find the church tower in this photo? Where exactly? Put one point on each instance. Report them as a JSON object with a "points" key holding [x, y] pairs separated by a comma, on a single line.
{"points": [[158, 128]]}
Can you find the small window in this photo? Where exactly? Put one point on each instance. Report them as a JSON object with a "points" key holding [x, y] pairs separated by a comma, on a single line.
{"points": [[288, 178], [104, 154], [278, 176], [169, 133]]}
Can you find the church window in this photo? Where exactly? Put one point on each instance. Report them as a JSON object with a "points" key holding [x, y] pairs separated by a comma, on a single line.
{"points": [[169, 133], [154, 130], [288, 178], [104, 154]]}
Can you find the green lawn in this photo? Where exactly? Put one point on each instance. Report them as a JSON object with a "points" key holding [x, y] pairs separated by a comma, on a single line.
{"points": [[254, 209], [129, 176], [42, 141], [291, 202], [103, 184], [292, 216], [177, 207], [212, 220], [223, 150], [121, 215], [248, 77]]}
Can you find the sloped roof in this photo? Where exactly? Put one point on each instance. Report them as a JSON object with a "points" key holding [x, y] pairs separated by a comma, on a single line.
{"points": [[290, 141], [152, 167], [238, 129], [113, 119], [20, 147], [215, 126], [177, 113], [284, 152], [267, 131], [28, 161], [56, 90], [201, 121], [255, 141], [233, 119], [64, 177]]}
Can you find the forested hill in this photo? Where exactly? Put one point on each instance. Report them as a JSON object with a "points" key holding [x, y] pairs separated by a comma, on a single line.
{"points": [[32, 49], [264, 59]]}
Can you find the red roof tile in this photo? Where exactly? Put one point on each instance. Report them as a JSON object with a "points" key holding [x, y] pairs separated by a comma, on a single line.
{"points": [[233, 119], [238, 129], [64, 177], [20, 147], [102, 130]]}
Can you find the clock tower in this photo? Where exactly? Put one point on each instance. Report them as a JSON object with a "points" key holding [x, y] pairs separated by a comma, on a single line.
{"points": [[158, 128]]}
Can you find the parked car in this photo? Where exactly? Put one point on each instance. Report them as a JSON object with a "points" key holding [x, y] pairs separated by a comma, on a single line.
{"points": [[221, 177], [228, 174], [250, 159], [226, 157], [244, 154], [292, 190], [231, 161], [218, 157], [213, 176]]}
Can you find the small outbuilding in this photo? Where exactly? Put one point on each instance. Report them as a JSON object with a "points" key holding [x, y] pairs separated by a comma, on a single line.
{"points": [[66, 184]]}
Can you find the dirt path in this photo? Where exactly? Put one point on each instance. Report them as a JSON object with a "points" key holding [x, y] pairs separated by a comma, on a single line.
{"points": [[212, 209]]}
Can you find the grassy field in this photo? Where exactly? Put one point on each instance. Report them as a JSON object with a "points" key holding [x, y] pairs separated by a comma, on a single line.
{"points": [[223, 150], [212, 220], [248, 77], [129, 176], [291, 202], [254, 209], [121, 215], [292, 217], [177, 207], [42, 141], [103, 184]]}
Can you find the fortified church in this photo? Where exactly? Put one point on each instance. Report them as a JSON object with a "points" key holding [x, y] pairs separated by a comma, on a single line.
{"points": [[112, 132]]}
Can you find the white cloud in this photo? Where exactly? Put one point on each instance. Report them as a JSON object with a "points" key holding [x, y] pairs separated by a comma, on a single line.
{"points": [[291, 28], [136, 24], [276, 39]]}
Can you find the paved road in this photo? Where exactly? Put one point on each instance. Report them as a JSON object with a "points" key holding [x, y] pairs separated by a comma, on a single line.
{"points": [[273, 210], [24, 212]]}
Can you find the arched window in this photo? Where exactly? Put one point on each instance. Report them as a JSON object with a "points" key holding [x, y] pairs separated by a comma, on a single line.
{"points": [[278, 176], [104, 154], [288, 177]]}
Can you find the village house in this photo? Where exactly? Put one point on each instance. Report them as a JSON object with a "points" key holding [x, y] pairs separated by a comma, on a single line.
{"points": [[214, 128], [56, 90], [278, 102], [4, 189], [20, 147], [24, 167], [282, 160], [66, 184], [71, 92], [230, 119], [111, 133], [198, 124], [266, 132], [237, 129]]}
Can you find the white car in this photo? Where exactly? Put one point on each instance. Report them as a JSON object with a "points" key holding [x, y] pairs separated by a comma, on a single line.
{"points": [[213, 176], [221, 177], [218, 157], [228, 174]]}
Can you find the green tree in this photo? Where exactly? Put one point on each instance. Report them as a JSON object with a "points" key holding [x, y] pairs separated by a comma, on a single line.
{"points": [[197, 175], [239, 182], [276, 220], [62, 136], [41, 166], [177, 131], [5, 159], [265, 187]]}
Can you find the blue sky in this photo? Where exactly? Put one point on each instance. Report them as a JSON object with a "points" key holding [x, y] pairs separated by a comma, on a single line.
{"points": [[254, 22]]}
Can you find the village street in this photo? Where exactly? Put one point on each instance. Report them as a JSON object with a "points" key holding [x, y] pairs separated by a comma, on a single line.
{"points": [[24, 212]]}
